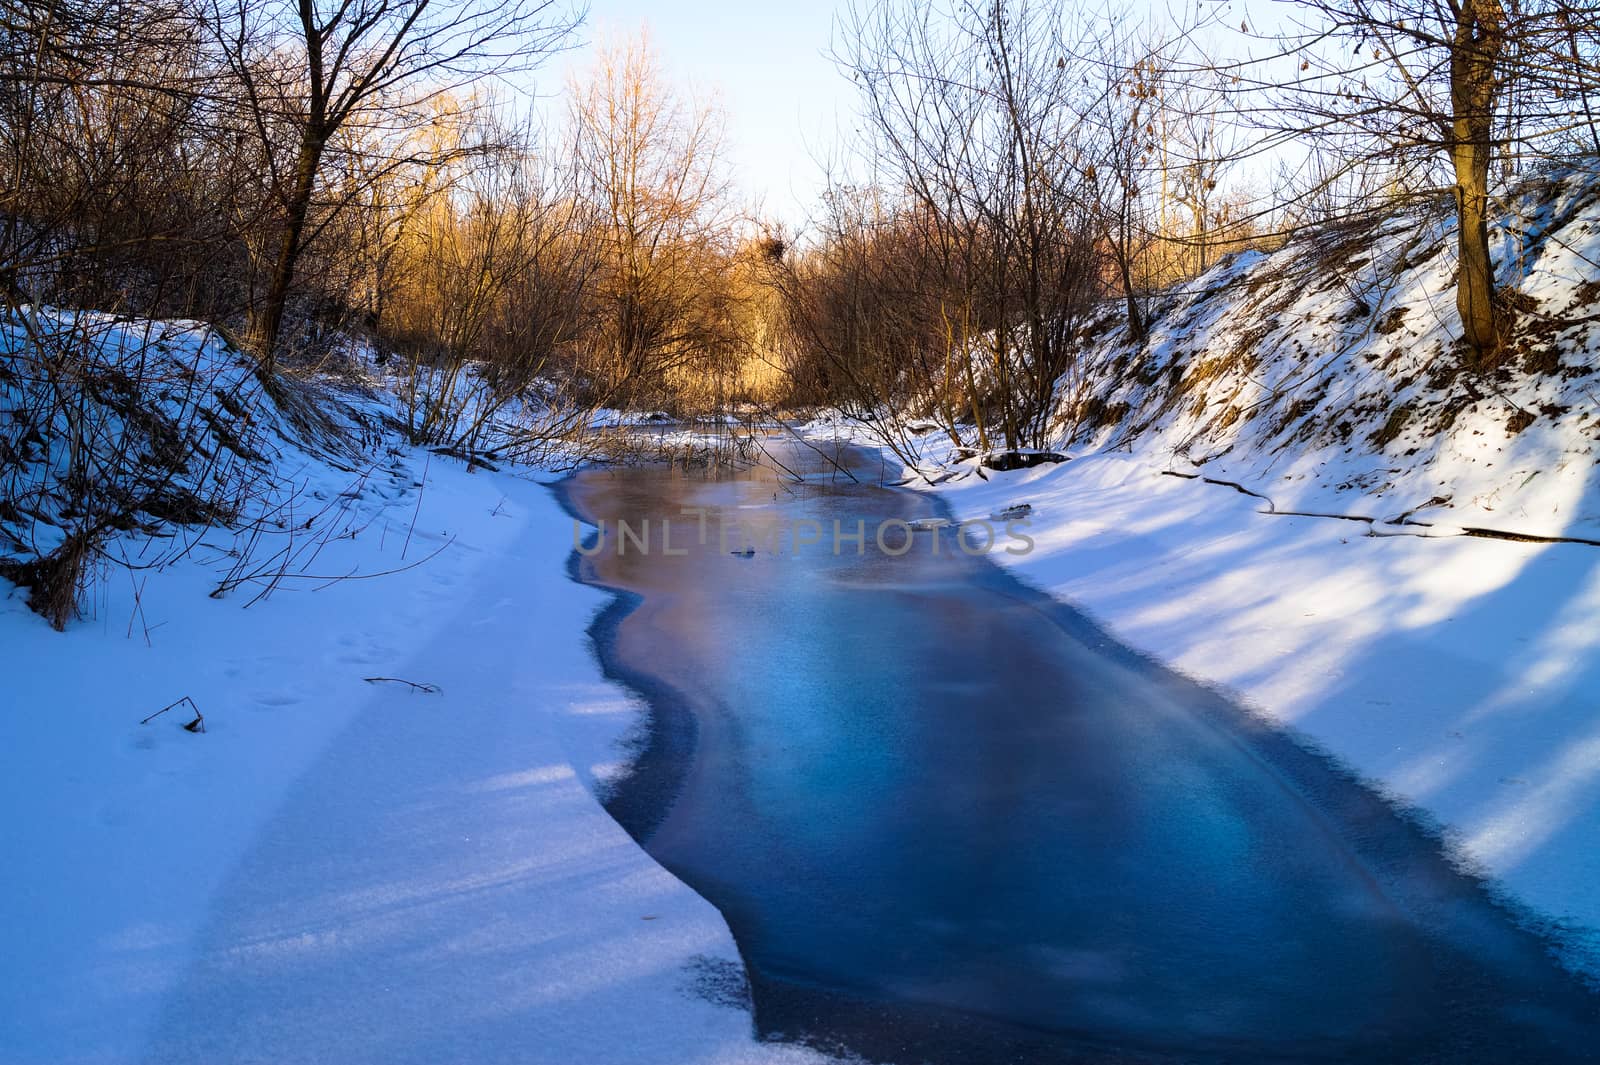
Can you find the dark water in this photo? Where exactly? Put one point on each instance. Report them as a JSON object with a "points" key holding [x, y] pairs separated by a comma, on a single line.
{"points": [[948, 820]]}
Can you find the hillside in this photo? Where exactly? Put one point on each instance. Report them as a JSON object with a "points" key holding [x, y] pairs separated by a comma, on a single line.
{"points": [[125, 441], [1442, 647], [1324, 375]]}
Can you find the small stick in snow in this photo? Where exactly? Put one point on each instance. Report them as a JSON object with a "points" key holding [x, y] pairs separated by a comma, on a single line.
{"points": [[426, 689], [197, 725], [421, 488]]}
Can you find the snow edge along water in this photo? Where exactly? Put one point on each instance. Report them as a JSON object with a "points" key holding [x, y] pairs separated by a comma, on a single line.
{"points": [[1501, 766]]}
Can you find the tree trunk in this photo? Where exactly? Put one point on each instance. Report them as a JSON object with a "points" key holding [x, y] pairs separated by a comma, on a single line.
{"points": [[1474, 55], [1136, 323], [267, 316]]}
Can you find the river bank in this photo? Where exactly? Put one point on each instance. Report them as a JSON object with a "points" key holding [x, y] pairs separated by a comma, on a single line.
{"points": [[951, 820], [1456, 674], [340, 869], [376, 871]]}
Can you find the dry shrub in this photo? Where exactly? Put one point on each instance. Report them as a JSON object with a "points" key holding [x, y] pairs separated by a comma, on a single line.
{"points": [[56, 582]]}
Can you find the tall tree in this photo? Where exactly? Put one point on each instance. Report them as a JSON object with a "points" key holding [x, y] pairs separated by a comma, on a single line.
{"points": [[305, 70], [1476, 48], [968, 111], [650, 163], [1451, 94]]}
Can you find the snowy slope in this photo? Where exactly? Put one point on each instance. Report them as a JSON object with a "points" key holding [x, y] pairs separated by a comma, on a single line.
{"points": [[1461, 675], [1324, 375], [337, 869], [83, 391]]}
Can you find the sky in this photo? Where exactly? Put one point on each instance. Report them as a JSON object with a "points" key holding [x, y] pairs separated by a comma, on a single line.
{"points": [[767, 63], [766, 60]]}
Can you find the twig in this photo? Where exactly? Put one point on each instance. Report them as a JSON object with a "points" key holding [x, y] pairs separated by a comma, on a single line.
{"points": [[426, 689], [1404, 520], [197, 725], [421, 488]]}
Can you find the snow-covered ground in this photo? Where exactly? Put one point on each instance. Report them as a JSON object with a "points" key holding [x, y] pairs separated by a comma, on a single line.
{"points": [[338, 869], [1328, 369], [342, 869], [1462, 675]]}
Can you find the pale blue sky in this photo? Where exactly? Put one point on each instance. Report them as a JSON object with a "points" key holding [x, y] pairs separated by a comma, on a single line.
{"points": [[765, 61]]}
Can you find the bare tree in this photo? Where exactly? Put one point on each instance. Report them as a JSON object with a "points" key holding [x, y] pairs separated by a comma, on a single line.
{"points": [[491, 280], [306, 70], [112, 176], [651, 165], [967, 112], [1437, 93]]}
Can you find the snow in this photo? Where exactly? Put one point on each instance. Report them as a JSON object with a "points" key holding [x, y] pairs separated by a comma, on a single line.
{"points": [[354, 871], [337, 869], [1326, 369], [1460, 675]]}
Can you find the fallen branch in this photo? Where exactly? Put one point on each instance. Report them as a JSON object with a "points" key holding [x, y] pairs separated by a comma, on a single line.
{"points": [[197, 725], [425, 689], [1402, 522], [801, 438]]}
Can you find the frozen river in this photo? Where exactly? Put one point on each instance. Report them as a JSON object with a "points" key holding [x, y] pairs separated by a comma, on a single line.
{"points": [[948, 819]]}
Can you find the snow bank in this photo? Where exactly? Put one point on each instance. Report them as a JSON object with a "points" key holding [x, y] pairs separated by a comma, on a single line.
{"points": [[341, 869], [1327, 370], [1462, 675]]}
